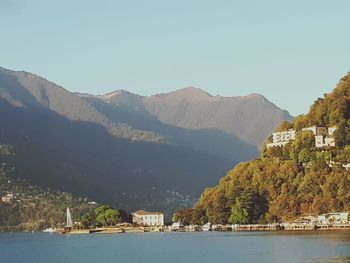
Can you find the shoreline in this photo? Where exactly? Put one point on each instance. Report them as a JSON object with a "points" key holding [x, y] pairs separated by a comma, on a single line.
{"points": [[86, 233], [245, 228]]}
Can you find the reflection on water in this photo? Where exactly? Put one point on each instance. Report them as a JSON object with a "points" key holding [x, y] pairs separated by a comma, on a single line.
{"points": [[237, 247]]}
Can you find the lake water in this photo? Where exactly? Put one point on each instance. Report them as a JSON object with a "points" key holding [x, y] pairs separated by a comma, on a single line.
{"points": [[176, 247]]}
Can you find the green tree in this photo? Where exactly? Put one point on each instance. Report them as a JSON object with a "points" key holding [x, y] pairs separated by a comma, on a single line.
{"points": [[112, 216], [101, 209], [87, 220], [239, 215], [306, 155], [101, 219]]}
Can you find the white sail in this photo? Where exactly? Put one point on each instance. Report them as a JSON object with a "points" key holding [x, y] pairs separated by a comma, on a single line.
{"points": [[69, 219]]}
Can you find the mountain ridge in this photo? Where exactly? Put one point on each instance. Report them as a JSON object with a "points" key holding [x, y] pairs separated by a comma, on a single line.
{"points": [[99, 147], [194, 108]]}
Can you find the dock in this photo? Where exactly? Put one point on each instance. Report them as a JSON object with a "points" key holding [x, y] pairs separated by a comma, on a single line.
{"points": [[257, 227]]}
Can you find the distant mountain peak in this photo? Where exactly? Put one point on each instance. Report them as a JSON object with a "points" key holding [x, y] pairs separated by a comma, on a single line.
{"points": [[255, 95], [83, 94], [187, 93], [120, 92]]}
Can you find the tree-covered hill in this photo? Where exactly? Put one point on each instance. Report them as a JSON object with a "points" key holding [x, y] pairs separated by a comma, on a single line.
{"points": [[286, 182]]}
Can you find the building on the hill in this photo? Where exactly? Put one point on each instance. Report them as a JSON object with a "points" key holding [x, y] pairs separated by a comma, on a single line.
{"points": [[8, 199], [146, 218], [282, 138], [323, 136], [324, 141]]}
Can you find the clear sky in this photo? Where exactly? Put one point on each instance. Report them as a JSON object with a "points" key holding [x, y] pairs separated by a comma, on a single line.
{"points": [[290, 51]]}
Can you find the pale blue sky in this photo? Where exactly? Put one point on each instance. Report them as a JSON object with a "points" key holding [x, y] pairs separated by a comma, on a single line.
{"points": [[290, 51]]}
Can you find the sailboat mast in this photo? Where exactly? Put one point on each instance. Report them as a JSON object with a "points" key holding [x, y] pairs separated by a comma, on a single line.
{"points": [[69, 219]]}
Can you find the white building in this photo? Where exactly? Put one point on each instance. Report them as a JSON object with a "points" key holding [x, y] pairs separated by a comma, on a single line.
{"points": [[325, 139], [9, 198], [334, 218], [177, 226], [146, 218], [323, 136], [322, 141], [282, 138], [207, 227]]}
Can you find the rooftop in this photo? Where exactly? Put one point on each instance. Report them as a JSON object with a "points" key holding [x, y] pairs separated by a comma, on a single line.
{"points": [[143, 212]]}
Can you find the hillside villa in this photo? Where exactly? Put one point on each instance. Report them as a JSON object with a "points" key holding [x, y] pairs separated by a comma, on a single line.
{"points": [[323, 137], [280, 139], [8, 199]]}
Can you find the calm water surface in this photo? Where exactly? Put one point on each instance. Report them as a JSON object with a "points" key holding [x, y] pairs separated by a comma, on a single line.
{"points": [[176, 247]]}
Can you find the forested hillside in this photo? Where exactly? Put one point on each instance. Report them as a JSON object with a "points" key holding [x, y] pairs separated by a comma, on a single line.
{"points": [[286, 182]]}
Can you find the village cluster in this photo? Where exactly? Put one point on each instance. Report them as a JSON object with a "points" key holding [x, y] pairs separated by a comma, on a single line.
{"points": [[323, 137], [328, 221]]}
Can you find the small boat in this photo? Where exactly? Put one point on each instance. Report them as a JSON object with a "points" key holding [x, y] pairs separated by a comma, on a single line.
{"points": [[207, 227], [49, 230]]}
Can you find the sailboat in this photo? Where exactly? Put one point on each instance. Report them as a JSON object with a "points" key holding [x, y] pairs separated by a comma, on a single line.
{"points": [[69, 223]]}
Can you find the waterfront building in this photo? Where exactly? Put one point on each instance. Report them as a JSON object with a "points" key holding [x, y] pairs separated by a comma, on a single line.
{"points": [[177, 226], [194, 228], [146, 218], [207, 227], [334, 218], [310, 219]]}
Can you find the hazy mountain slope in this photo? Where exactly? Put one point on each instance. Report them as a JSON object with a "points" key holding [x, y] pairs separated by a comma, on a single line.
{"points": [[211, 141], [48, 95], [251, 118], [84, 158]]}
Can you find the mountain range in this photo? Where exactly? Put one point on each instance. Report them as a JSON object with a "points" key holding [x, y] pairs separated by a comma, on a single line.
{"points": [[156, 152]]}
